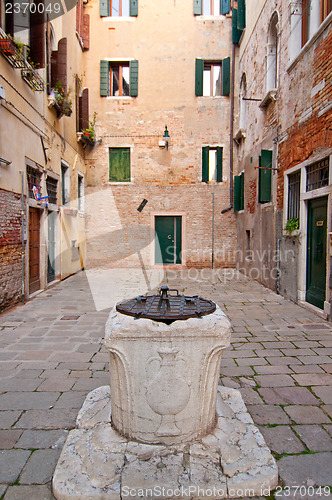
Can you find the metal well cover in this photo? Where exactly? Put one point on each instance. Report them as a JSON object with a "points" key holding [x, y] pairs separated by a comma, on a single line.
{"points": [[166, 308]]}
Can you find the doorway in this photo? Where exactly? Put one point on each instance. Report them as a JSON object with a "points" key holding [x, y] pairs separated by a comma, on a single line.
{"points": [[34, 250], [168, 242], [316, 252]]}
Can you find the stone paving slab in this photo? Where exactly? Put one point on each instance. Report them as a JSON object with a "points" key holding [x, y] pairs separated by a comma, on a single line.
{"points": [[282, 339]]}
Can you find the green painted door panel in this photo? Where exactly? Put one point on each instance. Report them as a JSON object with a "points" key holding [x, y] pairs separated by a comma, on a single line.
{"points": [[168, 240], [316, 252]]}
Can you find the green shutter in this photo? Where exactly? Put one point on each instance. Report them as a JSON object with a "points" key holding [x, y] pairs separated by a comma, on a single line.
{"points": [[225, 6], [236, 33], [205, 164], [104, 78], [239, 192], [241, 14], [197, 7], [199, 69], [133, 8], [265, 176], [226, 76], [119, 161], [242, 192], [133, 67], [104, 8], [219, 164]]}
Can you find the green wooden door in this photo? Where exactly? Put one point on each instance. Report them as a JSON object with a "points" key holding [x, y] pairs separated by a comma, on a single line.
{"points": [[316, 252], [168, 240]]}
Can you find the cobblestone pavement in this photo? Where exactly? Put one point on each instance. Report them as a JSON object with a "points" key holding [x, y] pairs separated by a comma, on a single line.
{"points": [[280, 359]]}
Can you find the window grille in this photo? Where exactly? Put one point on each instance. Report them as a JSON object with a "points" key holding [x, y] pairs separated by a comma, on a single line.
{"points": [[318, 175], [52, 189], [34, 179], [293, 211]]}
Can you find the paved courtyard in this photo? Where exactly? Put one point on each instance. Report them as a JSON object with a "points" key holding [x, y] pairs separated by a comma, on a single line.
{"points": [[51, 357]]}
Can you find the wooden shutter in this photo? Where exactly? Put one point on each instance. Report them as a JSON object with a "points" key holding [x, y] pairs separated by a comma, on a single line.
{"points": [[241, 14], [104, 8], [225, 6], [133, 8], [236, 33], [37, 35], [119, 159], [265, 176], [133, 69], [104, 78], [205, 164], [86, 31], [84, 110], [237, 193], [199, 69], [59, 64], [198, 7], [226, 76], [219, 164]]}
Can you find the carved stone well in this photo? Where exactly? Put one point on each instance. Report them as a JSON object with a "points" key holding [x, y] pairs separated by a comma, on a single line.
{"points": [[164, 428]]}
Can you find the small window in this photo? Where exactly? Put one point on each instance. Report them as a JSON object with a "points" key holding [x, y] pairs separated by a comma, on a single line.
{"points": [[318, 175], [80, 192], [119, 164], [211, 8], [65, 184], [212, 79], [293, 209], [119, 78], [119, 8], [34, 180], [52, 189], [211, 164]]}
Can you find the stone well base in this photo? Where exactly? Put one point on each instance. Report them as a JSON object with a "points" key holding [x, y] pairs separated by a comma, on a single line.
{"points": [[97, 463]]}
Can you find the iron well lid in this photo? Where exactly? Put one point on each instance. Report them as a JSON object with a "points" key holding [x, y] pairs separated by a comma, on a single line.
{"points": [[166, 308]]}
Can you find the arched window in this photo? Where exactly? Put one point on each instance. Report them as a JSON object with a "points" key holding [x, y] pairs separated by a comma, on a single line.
{"points": [[243, 102], [272, 54]]}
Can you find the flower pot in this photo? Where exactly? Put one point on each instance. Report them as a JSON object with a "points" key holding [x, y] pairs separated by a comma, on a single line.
{"points": [[7, 46]]}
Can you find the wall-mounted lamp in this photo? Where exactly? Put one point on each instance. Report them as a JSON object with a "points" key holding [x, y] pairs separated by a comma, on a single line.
{"points": [[5, 163], [165, 140]]}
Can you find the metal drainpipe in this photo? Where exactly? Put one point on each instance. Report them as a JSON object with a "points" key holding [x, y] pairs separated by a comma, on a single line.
{"points": [[231, 131]]}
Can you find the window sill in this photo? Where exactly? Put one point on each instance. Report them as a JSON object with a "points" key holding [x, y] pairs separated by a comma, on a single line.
{"points": [[204, 17], [119, 97], [119, 183], [119, 18], [271, 96], [310, 42]]}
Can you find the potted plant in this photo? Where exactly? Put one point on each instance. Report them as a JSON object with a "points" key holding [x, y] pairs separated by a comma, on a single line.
{"points": [[7, 46], [88, 134], [60, 100], [292, 226]]}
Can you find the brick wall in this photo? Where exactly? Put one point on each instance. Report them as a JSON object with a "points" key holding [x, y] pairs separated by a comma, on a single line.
{"points": [[10, 249]]}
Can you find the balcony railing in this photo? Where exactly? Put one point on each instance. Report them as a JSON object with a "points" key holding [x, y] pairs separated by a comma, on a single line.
{"points": [[14, 56]]}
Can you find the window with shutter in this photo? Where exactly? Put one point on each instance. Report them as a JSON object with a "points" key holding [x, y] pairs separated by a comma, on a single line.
{"points": [[37, 35], [59, 65], [211, 164], [236, 33], [212, 78], [86, 32], [119, 78], [239, 192], [118, 8], [119, 164], [104, 78], [241, 14], [84, 110], [265, 176]]}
